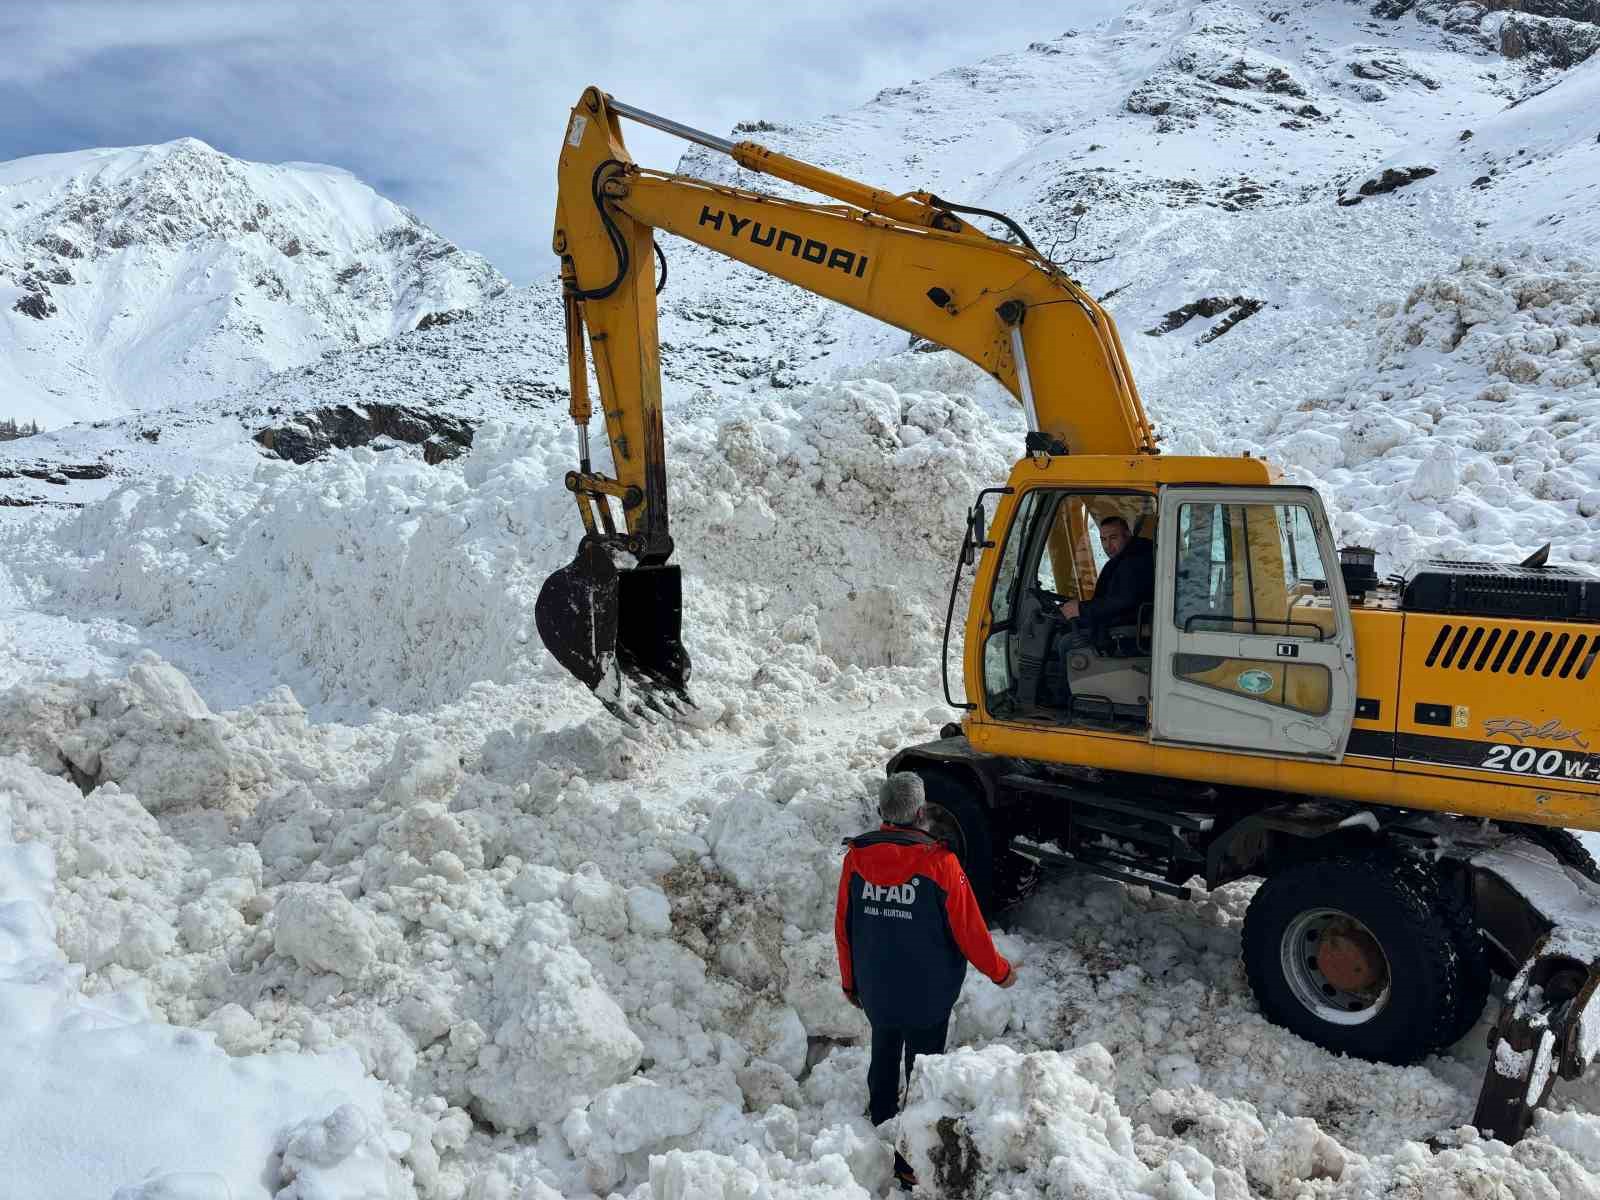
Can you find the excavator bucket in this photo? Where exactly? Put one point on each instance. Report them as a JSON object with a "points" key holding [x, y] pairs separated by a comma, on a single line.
{"points": [[604, 625]]}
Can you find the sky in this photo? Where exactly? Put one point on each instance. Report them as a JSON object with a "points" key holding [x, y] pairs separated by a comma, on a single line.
{"points": [[455, 108]]}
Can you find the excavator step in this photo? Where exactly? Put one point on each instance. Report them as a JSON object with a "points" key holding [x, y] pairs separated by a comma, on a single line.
{"points": [[1050, 858], [1028, 785]]}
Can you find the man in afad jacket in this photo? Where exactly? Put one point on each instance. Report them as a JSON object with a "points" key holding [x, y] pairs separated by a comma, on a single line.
{"points": [[907, 925]]}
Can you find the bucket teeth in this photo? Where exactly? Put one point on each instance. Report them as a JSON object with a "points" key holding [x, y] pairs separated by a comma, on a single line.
{"points": [[617, 631]]}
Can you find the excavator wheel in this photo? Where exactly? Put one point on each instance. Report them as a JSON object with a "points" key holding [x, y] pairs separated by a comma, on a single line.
{"points": [[956, 815], [1349, 953], [1472, 977]]}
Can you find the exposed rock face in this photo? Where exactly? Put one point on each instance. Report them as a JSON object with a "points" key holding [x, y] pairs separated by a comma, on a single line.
{"points": [[1232, 310], [1572, 10], [1554, 41], [1390, 179], [310, 435], [57, 472]]}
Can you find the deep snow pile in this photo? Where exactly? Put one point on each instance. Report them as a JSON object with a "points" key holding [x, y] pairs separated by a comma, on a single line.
{"points": [[585, 959], [1474, 432], [373, 580], [580, 959], [290, 1126]]}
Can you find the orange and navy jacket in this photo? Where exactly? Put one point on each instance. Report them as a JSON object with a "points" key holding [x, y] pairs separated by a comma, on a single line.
{"points": [[907, 924]]}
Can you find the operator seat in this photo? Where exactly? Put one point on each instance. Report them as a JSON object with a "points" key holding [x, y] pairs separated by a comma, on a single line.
{"points": [[1130, 641]]}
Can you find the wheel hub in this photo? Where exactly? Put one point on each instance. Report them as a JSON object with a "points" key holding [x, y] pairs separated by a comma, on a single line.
{"points": [[1350, 959], [1335, 967]]}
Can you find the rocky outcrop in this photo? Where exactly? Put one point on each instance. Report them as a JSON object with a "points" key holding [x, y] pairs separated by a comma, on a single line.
{"points": [[308, 436], [1572, 10], [56, 473], [1551, 41], [1232, 310], [1390, 179]]}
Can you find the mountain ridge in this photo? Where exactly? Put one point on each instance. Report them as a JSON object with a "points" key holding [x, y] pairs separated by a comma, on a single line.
{"points": [[133, 277]]}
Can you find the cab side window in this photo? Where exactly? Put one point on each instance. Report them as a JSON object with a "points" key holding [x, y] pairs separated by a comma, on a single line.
{"points": [[1250, 568], [1253, 569]]}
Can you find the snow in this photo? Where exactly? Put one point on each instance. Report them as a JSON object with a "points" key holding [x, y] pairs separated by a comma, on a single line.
{"points": [[308, 832], [76, 1116], [177, 272]]}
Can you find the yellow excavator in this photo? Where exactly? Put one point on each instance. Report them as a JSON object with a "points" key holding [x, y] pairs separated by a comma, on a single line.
{"points": [[1401, 761]]}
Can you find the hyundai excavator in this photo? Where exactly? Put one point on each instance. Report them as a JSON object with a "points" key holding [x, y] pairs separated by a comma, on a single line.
{"points": [[1400, 761]]}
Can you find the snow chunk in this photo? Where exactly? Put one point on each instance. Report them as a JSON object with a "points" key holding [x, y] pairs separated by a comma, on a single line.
{"points": [[978, 1122], [345, 1153], [1438, 476], [318, 927], [558, 1037]]}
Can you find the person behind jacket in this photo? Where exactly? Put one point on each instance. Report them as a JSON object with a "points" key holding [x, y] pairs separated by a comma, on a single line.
{"points": [[1127, 580], [907, 925]]}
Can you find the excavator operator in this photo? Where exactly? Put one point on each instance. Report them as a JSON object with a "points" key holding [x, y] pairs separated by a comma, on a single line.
{"points": [[1127, 581]]}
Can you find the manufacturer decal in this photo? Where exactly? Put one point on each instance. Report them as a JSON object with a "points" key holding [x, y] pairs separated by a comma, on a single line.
{"points": [[1516, 727], [1530, 760], [1255, 682], [834, 258], [575, 130]]}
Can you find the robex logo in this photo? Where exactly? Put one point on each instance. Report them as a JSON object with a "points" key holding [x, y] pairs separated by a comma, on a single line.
{"points": [[895, 893], [835, 258]]}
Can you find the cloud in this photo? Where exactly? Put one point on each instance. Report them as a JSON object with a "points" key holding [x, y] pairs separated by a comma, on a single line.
{"points": [[454, 108]]}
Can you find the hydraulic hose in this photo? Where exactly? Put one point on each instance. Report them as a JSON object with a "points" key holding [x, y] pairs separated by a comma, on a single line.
{"points": [[1022, 235], [619, 244]]}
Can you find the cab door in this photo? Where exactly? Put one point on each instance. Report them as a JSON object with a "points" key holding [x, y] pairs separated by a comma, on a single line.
{"points": [[1253, 644]]}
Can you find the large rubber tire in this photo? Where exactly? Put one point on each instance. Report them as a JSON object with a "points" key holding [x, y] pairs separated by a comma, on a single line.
{"points": [[1395, 899], [973, 840], [1472, 972]]}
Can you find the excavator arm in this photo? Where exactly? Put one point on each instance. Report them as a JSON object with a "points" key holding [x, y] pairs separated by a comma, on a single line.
{"points": [[909, 260]]}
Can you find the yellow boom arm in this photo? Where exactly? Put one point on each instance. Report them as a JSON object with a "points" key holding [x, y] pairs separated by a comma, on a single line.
{"points": [[908, 260]]}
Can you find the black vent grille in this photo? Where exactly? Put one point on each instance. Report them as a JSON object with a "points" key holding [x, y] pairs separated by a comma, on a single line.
{"points": [[1503, 651], [1499, 590]]}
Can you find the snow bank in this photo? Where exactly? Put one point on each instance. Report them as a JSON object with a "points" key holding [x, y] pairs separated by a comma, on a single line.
{"points": [[101, 1100], [373, 580], [620, 951], [518, 930], [1475, 430]]}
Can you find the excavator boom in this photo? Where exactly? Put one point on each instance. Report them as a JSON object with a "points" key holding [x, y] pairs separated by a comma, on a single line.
{"points": [[907, 259]]}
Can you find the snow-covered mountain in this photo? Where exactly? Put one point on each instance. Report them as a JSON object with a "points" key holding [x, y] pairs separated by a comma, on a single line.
{"points": [[172, 274], [541, 955]]}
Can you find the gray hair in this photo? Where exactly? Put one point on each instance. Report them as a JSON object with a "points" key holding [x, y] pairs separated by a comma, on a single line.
{"points": [[900, 797]]}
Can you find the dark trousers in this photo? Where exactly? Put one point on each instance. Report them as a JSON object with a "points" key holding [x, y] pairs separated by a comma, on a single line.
{"points": [[890, 1045]]}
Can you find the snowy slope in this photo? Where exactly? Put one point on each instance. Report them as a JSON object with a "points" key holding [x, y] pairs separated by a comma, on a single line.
{"points": [[142, 277], [577, 959]]}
